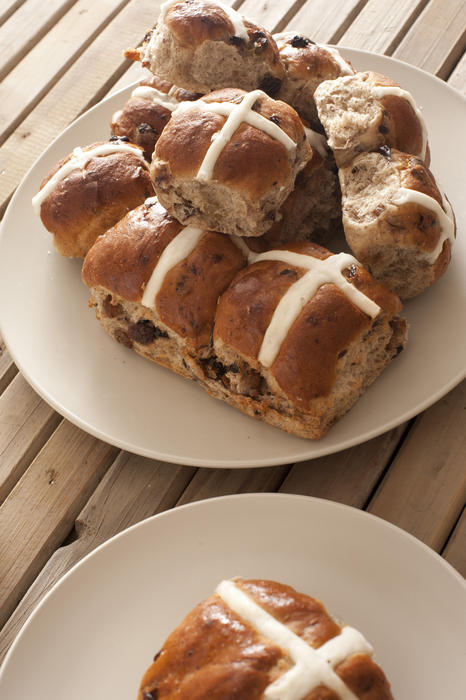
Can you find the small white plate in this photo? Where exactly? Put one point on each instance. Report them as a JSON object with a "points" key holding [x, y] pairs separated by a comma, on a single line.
{"points": [[97, 630], [127, 401]]}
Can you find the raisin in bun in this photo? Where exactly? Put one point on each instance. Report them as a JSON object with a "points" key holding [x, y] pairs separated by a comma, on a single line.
{"points": [[301, 334], [144, 116], [396, 220], [203, 45], [155, 284], [307, 64], [228, 161], [257, 639], [368, 110], [89, 191]]}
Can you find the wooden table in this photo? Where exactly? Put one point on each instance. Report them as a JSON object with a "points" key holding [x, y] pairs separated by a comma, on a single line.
{"points": [[63, 492]]}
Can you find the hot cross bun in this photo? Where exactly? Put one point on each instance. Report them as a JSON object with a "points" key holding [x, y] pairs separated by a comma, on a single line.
{"points": [[262, 640], [204, 45], [228, 161]]}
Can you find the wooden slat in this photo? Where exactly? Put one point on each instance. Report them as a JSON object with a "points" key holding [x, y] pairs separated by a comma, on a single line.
{"points": [[8, 7], [208, 483], [8, 370], [27, 423], [425, 489], [437, 39], [392, 20], [133, 489], [455, 551], [271, 14], [33, 76], [347, 477], [25, 27], [457, 79], [88, 79], [325, 21], [42, 508]]}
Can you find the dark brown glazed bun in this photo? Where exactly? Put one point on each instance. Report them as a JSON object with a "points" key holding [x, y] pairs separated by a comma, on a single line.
{"points": [[368, 110], [396, 220], [240, 188], [89, 191], [147, 111], [302, 363], [223, 649], [307, 64], [203, 45], [175, 322]]}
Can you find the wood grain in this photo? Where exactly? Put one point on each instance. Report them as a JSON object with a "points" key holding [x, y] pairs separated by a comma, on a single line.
{"points": [[437, 39], [349, 476], [25, 27], [457, 78], [455, 550], [391, 19], [83, 84], [41, 509], [24, 86], [425, 488], [27, 423], [134, 488], [271, 14], [325, 21], [7, 369], [209, 483]]}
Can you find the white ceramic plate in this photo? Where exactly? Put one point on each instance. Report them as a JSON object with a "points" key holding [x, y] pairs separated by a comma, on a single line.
{"points": [[125, 400], [97, 630]]}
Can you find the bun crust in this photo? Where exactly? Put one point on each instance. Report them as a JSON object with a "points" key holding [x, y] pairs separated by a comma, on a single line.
{"points": [[253, 173], [196, 45], [402, 241], [142, 120], [366, 111], [307, 64], [92, 198], [216, 653]]}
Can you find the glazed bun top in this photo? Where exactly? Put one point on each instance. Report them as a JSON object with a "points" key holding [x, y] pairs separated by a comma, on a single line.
{"points": [[305, 59], [256, 155]]}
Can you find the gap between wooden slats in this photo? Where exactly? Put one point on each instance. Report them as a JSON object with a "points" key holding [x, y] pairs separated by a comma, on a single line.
{"points": [[81, 86], [8, 7], [442, 23], [26, 27], [424, 490], [455, 549], [8, 369], [392, 20], [41, 510], [33, 77], [26, 424], [457, 78]]}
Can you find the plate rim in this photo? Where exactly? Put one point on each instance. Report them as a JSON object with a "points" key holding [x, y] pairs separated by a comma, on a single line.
{"points": [[312, 501], [316, 448]]}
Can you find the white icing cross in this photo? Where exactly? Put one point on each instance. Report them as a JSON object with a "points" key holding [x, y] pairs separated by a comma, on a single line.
{"points": [[293, 301], [381, 91], [300, 292], [235, 18], [445, 218], [177, 250], [151, 94], [79, 159], [236, 113], [312, 667]]}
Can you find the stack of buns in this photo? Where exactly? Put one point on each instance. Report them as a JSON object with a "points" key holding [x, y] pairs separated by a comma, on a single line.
{"points": [[244, 152]]}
